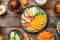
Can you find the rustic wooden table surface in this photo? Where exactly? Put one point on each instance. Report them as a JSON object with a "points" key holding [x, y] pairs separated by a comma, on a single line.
{"points": [[11, 20]]}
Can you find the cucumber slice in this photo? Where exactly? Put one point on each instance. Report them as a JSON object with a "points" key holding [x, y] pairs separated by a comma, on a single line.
{"points": [[23, 17], [34, 10], [17, 37], [13, 39], [12, 34], [10, 38]]}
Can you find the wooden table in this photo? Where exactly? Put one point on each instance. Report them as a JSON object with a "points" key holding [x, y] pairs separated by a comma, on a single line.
{"points": [[11, 20]]}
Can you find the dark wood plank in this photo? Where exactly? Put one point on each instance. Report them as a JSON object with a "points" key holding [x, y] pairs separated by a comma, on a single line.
{"points": [[9, 22]]}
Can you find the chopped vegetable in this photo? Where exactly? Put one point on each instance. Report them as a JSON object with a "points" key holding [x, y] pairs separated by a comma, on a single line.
{"points": [[34, 10], [58, 8], [23, 17], [45, 35], [12, 34], [23, 21], [41, 19], [30, 18], [17, 37], [38, 22], [28, 12], [26, 36], [2, 9], [24, 2], [31, 28], [26, 24]]}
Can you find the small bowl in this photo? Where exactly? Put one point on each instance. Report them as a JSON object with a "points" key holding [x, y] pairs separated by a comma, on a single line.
{"points": [[56, 13], [4, 10], [21, 36], [41, 4], [48, 31], [9, 6]]}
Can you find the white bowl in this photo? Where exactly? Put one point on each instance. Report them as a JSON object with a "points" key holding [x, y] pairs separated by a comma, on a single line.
{"points": [[40, 2], [2, 9]]}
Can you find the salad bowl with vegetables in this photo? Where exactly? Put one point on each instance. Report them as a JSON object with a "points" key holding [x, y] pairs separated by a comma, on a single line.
{"points": [[33, 19]]}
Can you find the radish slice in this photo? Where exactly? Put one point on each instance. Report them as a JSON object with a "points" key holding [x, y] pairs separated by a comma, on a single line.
{"points": [[23, 17], [26, 24], [30, 18]]}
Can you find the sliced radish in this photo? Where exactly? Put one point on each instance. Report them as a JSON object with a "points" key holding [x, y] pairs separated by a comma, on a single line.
{"points": [[23, 17], [26, 24], [30, 18]]}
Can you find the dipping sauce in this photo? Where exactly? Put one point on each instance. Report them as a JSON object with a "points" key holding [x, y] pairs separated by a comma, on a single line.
{"points": [[41, 2], [14, 5], [58, 8]]}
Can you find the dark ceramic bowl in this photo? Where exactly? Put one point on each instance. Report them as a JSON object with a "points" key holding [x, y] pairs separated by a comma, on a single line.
{"points": [[21, 35], [56, 13], [10, 8]]}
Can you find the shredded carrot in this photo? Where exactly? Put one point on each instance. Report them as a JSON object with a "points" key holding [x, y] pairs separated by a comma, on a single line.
{"points": [[45, 35]]}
